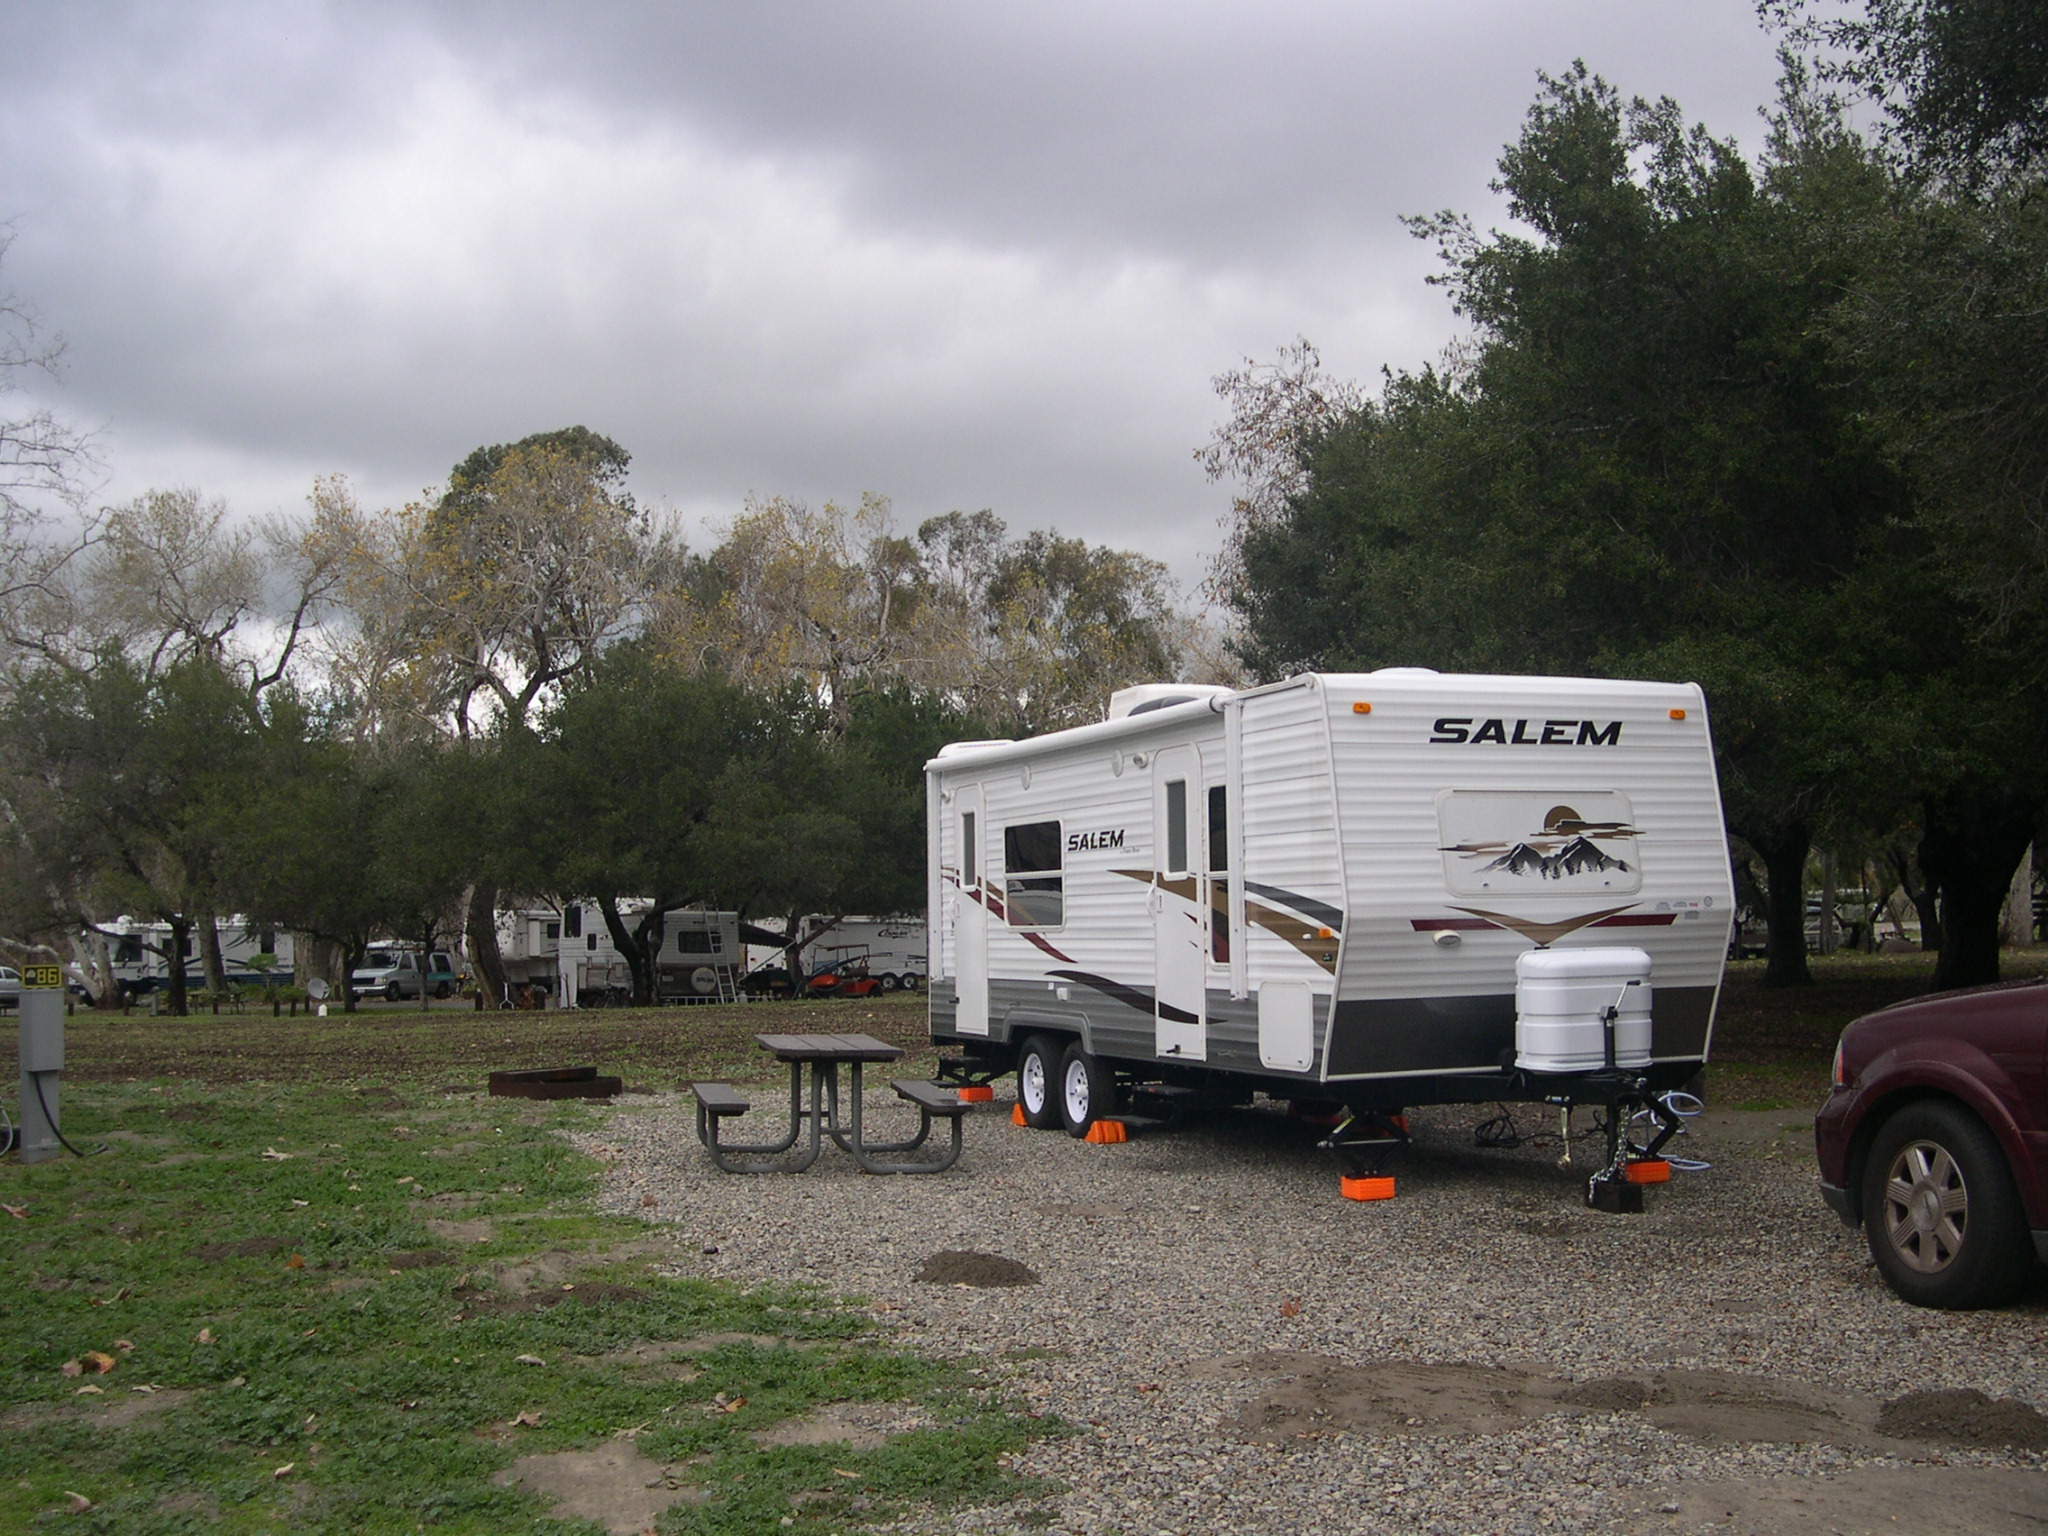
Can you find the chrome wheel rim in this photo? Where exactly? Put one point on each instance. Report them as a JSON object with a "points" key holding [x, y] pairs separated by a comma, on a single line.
{"points": [[1926, 1207], [1031, 1083], [1077, 1092]]}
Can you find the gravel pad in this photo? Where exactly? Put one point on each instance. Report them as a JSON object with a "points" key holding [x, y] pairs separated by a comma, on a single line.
{"points": [[1247, 1351]]}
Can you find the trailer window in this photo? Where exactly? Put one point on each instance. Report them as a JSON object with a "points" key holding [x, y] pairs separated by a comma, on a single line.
{"points": [[1034, 888], [572, 921], [970, 852], [1176, 825], [696, 941], [1219, 831], [128, 951]]}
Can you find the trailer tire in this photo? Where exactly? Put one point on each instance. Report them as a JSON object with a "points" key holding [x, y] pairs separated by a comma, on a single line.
{"points": [[1038, 1082], [912, 981], [890, 982], [1087, 1090]]}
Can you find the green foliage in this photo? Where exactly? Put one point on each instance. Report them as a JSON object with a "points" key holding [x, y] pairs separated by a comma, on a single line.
{"points": [[296, 1312], [1964, 83]]}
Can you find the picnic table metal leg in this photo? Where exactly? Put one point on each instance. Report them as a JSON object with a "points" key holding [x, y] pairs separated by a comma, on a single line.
{"points": [[849, 1136], [722, 1155], [861, 1151]]}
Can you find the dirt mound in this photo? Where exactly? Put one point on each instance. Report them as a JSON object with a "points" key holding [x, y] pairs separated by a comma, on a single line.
{"points": [[960, 1267], [244, 1248], [1963, 1416]]}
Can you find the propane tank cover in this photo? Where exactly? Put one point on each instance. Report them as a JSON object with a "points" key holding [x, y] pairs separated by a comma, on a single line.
{"points": [[1561, 1002]]}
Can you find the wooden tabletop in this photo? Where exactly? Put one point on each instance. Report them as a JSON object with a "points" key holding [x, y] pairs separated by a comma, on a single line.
{"points": [[828, 1047]]}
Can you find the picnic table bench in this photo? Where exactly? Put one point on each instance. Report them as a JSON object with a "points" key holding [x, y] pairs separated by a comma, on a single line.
{"points": [[823, 1055]]}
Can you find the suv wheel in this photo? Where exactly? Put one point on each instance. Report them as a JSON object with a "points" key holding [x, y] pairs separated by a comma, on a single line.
{"points": [[1939, 1207]]}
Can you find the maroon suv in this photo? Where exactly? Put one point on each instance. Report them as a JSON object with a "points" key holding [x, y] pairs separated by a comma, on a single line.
{"points": [[1935, 1138]]}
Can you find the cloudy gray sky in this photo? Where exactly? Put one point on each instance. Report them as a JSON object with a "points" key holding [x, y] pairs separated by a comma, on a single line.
{"points": [[965, 255]]}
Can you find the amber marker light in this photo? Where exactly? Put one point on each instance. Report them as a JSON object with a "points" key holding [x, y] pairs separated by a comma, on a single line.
{"points": [[1361, 708], [1678, 714]]}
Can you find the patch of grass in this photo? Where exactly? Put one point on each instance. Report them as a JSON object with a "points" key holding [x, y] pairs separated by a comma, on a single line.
{"points": [[294, 1272], [453, 1045]]}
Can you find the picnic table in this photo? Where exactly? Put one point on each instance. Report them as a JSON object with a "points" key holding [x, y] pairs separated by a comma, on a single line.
{"points": [[823, 1055]]}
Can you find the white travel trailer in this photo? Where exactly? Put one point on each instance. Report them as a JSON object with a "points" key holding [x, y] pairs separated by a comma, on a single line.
{"points": [[1381, 889], [137, 947], [700, 960], [890, 949]]}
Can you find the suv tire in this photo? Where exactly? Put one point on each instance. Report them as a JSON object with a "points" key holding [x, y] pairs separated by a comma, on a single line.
{"points": [[1941, 1212]]}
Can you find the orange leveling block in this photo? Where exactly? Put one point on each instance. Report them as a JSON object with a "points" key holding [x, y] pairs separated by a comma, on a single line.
{"points": [[1380, 1188], [1647, 1170], [1105, 1133], [975, 1094]]}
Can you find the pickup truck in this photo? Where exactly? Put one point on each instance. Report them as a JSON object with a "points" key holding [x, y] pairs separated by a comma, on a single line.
{"points": [[395, 974]]}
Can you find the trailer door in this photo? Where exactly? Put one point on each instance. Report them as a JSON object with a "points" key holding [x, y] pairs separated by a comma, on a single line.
{"points": [[970, 914], [1180, 905]]}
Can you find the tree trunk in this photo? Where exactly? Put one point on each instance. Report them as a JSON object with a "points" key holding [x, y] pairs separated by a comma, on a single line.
{"points": [[210, 962], [482, 932], [351, 958], [1925, 896], [174, 974], [96, 964], [1784, 851], [2016, 926], [651, 930], [793, 945], [1971, 846], [638, 961]]}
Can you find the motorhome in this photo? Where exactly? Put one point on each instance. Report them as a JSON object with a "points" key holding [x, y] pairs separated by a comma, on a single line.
{"points": [[1373, 890]]}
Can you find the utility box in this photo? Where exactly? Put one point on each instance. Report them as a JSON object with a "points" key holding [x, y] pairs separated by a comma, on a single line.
{"points": [[42, 1031]]}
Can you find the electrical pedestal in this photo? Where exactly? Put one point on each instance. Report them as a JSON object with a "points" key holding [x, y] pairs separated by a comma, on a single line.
{"points": [[42, 1063]]}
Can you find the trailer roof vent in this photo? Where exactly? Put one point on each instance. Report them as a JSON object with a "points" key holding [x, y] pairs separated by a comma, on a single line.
{"points": [[1146, 697], [1404, 672]]}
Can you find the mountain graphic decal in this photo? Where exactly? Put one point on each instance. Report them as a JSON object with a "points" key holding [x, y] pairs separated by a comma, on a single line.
{"points": [[1578, 857], [1568, 846]]}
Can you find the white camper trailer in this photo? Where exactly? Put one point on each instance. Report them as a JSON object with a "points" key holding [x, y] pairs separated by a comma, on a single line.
{"points": [[1337, 888], [700, 959]]}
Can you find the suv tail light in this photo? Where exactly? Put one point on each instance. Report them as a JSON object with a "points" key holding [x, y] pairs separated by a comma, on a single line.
{"points": [[1841, 1077]]}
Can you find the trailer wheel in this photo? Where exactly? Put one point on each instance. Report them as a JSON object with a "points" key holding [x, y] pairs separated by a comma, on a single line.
{"points": [[912, 981], [1038, 1076], [889, 981], [1087, 1090]]}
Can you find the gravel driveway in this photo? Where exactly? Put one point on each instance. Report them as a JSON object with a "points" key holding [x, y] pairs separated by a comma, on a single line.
{"points": [[1248, 1352]]}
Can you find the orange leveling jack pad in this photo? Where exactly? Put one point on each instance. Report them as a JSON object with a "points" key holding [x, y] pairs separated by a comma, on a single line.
{"points": [[1368, 1189], [1107, 1133], [1649, 1170], [1017, 1116], [975, 1095]]}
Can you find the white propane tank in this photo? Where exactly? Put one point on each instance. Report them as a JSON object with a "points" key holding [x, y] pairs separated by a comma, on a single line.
{"points": [[1561, 999]]}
